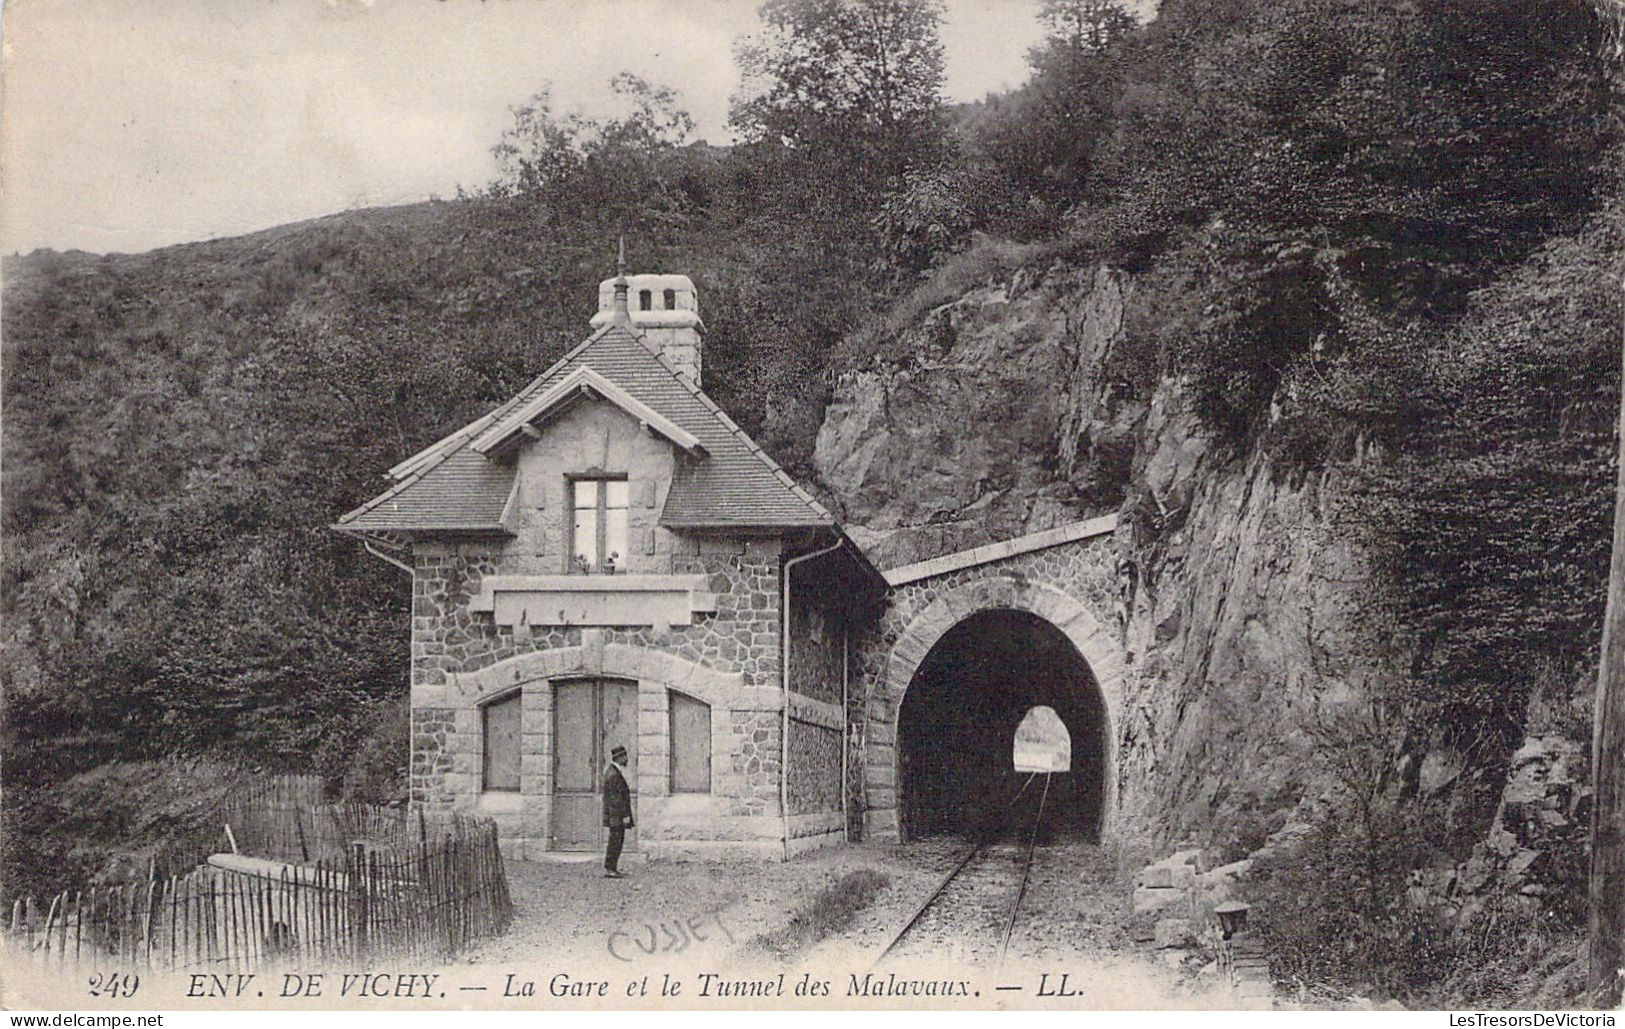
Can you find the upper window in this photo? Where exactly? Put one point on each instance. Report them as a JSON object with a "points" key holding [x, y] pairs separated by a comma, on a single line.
{"points": [[645, 299], [598, 526], [501, 730], [671, 300]]}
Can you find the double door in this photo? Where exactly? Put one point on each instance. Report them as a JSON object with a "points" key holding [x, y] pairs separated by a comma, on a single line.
{"points": [[591, 717]]}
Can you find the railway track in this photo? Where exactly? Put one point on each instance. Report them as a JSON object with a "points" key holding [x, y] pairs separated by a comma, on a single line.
{"points": [[974, 909]]}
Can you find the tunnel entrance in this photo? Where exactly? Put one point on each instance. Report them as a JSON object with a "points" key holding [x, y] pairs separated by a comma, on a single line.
{"points": [[970, 719]]}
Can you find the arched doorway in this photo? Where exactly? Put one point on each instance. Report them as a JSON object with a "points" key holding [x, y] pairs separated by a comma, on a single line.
{"points": [[958, 721]]}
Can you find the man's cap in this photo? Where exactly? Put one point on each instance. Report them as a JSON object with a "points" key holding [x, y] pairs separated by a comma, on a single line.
{"points": [[618, 752]]}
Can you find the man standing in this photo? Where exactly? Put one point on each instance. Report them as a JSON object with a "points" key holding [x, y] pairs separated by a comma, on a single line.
{"points": [[617, 811]]}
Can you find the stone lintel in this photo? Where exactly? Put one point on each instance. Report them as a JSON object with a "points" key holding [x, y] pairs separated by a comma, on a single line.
{"points": [[757, 698]]}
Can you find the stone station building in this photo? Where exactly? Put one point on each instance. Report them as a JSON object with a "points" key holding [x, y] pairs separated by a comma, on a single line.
{"points": [[607, 559]]}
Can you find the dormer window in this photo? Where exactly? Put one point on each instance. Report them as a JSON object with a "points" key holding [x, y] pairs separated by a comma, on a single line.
{"points": [[671, 300], [598, 524], [645, 299]]}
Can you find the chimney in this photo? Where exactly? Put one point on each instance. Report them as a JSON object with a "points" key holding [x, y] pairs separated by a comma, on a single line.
{"points": [[665, 309]]}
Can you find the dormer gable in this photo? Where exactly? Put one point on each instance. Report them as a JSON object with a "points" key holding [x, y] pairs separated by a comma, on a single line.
{"points": [[582, 383]]}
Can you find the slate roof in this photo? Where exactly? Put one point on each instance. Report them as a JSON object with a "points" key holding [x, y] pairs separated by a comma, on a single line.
{"points": [[450, 489]]}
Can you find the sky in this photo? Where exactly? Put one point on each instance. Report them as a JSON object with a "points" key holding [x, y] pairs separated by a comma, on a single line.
{"points": [[131, 124]]}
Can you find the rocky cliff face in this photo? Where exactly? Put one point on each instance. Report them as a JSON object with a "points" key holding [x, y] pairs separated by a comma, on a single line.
{"points": [[995, 423], [1016, 410], [1247, 628]]}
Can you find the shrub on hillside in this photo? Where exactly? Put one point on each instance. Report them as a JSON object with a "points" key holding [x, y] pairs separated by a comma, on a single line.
{"points": [[1342, 916], [377, 771], [114, 823]]}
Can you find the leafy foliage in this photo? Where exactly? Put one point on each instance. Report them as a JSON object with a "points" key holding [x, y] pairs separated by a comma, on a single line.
{"points": [[858, 81], [1493, 508], [1342, 155], [1047, 136], [622, 164], [1345, 918]]}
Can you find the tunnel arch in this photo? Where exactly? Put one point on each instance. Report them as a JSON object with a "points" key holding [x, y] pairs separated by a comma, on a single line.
{"points": [[957, 727], [1098, 649]]}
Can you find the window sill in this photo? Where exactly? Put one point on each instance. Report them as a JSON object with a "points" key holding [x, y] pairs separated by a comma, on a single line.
{"points": [[500, 801], [688, 805], [618, 599]]}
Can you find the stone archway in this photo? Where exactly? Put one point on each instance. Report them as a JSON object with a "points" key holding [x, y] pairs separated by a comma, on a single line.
{"points": [[1102, 653]]}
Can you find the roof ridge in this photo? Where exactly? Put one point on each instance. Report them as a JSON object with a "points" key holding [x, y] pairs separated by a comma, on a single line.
{"points": [[583, 375], [437, 455]]}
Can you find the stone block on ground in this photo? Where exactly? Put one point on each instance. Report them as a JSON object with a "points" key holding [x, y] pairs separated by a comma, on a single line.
{"points": [[1173, 932], [1223, 883], [1191, 856], [1153, 898], [1521, 862], [1173, 872], [1234, 870]]}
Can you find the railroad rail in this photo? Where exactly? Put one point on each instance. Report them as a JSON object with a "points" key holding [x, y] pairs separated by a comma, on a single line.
{"points": [[985, 838]]}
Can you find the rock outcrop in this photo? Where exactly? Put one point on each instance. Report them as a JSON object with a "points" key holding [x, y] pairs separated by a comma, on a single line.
{"points": [[1537, 843], [1246, 600], [1002, 419]]}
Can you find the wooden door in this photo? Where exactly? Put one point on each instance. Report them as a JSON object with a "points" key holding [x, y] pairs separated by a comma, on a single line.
{"points": [[590, 718]]}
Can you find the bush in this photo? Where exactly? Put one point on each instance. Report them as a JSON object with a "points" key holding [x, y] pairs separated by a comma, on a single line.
{"points": [[1355, 905], [377, 773], [828, 913], [113, 823]]}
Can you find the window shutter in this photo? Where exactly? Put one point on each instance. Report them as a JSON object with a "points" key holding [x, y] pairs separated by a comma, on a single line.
{"points": [[502, 726], [690, 745]]}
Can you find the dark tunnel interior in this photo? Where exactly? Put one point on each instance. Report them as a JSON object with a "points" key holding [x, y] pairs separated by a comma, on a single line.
{"points": [[958, 724]]}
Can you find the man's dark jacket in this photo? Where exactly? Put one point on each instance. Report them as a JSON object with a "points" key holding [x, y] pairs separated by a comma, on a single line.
{"points": [[617, 799]]}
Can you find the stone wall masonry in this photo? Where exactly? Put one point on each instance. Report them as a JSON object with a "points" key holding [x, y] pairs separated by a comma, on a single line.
{"points": [[728, 658], [815, 768], [432, 728], [817, 645], [1074, 585], [741, 636]]}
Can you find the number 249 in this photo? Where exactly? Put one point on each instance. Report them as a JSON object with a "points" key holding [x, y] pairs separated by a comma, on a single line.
{"points": [[114, 984]]}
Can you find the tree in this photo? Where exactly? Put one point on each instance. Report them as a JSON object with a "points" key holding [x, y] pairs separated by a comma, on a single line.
{"points": [[859, 77], [1078, 29], [1047, 139], [621, 164]]}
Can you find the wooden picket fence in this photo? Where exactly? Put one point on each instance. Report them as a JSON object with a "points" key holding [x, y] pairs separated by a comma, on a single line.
{"points": [[316, 883]]}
